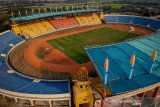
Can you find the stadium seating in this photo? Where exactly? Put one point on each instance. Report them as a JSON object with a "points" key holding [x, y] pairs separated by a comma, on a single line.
{"points": [[89, 19], [48, 26], [85, 20], [14, 82], [96, 19], [57, 23], [80, 21], [125, 19], [66, 22], [72, 21], [147, 22], [111, 19], [40, 27], [6, 39], [36, 28], [63, 23], [27, 31]]}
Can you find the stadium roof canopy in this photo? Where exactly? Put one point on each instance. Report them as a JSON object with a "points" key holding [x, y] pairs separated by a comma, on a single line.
{"points": [[50, 14], [119, 63]]}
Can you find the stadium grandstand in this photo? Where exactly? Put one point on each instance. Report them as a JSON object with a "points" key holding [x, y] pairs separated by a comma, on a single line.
{"points": [[146, 22], [19, 87], [127, 69], [31, 28], [144, 73], [29, 89], [41, 27]]}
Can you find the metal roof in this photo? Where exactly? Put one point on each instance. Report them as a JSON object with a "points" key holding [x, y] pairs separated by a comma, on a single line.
{"points": [[119, 63]]}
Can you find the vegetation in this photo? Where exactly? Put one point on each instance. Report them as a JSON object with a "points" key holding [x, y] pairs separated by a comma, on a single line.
{"points": [[115, 6], [73, 45]]}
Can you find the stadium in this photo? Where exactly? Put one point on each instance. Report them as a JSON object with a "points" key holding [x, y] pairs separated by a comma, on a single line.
{"points": [[78, 56]]}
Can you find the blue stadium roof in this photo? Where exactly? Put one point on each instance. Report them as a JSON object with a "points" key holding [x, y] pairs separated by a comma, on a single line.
{"points": [[17, 83], [44, 15], [119, 65]]}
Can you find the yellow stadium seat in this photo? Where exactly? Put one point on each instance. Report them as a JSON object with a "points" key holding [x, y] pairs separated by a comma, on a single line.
{"points": [[39, 25], [78, 18], [25, 30], [85, 20], [96, 18], [89, 19], [36, 28], [48, 26]]}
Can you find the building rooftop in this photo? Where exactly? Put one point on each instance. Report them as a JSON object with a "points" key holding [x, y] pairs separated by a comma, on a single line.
{"points": [[119, 63]]}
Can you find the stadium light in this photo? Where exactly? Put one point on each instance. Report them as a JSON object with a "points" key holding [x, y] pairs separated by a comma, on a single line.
{"points": [[106, 66], [153, 56], [132, 62]]}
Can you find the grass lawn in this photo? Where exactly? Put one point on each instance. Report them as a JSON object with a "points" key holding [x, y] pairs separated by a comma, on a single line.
{"points": [[73, 45], [116, 6]]}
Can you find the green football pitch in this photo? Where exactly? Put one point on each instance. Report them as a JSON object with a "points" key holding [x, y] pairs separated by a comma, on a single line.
{"points": [[73, 45]]}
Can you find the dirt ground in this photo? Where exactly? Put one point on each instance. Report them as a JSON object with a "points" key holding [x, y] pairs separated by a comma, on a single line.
{"points": [[39, 59], [131, 28]]}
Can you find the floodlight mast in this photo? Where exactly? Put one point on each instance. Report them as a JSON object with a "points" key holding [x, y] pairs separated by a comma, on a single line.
{"points": [[106, 66], [132, 63], [153, 56]]}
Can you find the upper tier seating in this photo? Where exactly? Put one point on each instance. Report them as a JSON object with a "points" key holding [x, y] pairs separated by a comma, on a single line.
{"points": [[147, 22]]}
